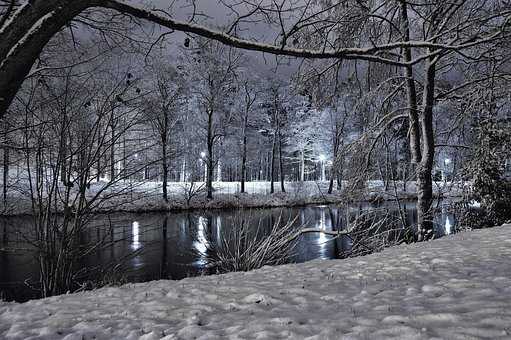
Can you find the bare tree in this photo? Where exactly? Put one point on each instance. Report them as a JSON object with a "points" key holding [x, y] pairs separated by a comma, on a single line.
{"points": [[163, 113], [60, 174], [250, 94], [212, 69]]}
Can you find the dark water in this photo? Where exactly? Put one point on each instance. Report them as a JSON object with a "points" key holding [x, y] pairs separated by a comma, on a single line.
{"points": [[175, 245]]}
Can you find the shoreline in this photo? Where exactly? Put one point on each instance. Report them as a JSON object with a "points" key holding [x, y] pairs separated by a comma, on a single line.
{"points": [[140, 202]]}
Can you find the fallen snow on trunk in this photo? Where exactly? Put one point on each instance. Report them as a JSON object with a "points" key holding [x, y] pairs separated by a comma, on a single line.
{"points": [[458, 287]]}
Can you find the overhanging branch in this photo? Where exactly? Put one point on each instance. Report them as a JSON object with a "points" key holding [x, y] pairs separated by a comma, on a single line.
{"points": [[369, 53]]}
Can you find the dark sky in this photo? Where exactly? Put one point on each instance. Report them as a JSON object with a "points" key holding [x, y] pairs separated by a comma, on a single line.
{"points": [[219, 15]]}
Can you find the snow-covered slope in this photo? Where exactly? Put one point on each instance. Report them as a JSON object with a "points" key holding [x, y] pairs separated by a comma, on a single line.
{"points": [[458, 287]]}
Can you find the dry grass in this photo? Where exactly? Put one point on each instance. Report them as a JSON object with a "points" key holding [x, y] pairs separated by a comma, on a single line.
{"points": [[247, 247]]}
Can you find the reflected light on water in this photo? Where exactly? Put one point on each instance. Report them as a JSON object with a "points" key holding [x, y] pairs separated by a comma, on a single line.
{"points": [[201, 244], [322, 238], [135, 231], [218, 228], [448, 226]]}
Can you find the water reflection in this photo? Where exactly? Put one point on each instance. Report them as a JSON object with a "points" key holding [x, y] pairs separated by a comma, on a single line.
{"points": [[176, 245], [446, 226], [135, 231], [322, 238], [201, 244]]}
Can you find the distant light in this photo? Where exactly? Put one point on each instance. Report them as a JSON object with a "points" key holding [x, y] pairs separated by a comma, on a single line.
{"points": [[448, 226], [203, 154], [135, 244], [201, 245], [322, 157], [447, 161]]}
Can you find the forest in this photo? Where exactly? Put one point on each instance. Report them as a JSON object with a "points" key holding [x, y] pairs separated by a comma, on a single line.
{"points": [[111, 107]]}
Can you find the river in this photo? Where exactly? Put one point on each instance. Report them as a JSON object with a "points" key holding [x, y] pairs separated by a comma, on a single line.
{"points": [[175, 245]]}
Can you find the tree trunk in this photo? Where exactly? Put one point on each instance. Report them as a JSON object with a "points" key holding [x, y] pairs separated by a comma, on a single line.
{"points": [[333, 173], [415, 142], [272, 163], [244, 156], [23, 38], [422, 156], [281, 164], [340, 170], [209, 179], [165, 170], [425, 167], [63, 149], [335, 161], [98, 168], [112, 153], [123, 172], [164, 159], [302, 165], [5, 174]]}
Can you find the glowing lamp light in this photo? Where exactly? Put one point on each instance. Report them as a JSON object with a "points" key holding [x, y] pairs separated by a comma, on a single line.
{"points": [[135, 230]]}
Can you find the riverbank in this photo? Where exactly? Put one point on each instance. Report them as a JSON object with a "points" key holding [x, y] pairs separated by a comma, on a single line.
{"points": [[140, 197], [456, 287]]}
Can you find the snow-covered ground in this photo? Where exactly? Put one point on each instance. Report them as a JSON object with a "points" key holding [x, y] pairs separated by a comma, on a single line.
{"points": [[147, 196], [458, 287]]}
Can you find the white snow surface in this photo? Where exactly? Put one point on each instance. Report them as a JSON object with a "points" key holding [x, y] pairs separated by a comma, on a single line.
{"points": [[458, 287], [136, 196]]}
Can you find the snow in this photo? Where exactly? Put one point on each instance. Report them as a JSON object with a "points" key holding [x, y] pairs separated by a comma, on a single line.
{"points": [[452, 288], [35, 29], [13, 17], [134, 196]]}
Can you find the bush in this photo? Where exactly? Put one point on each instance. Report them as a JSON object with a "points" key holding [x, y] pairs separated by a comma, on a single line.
{"points": [[486, 169]]}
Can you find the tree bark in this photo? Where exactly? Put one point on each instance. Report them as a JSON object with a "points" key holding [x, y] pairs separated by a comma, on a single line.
{"points": [[244, 154], [209, 179], [340, 169], [164, 159], [281, 163], [302, 165], [334, 160], [23, 39], [425, 167], [5, 167], [272, 163], [415, 143], [421, 134], [165, 170], [112, 153]]}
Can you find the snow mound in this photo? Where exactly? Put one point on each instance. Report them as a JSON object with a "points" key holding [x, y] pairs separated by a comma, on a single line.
{"points": [[453, 288]]}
